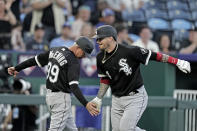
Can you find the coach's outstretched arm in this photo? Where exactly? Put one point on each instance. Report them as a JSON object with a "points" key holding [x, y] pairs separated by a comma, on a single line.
{"points": [[30, 62], [183, 65]]}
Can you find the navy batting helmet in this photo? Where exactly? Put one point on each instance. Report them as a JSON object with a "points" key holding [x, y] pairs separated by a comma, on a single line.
{"points": [[105, 31]]}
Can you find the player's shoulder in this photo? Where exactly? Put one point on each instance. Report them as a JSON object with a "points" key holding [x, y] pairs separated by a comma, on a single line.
{"points": [[125, 48], [70, 56], [132, 47], [63, 48]]}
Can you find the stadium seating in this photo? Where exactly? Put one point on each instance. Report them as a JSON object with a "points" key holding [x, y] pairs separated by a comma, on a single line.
{"points": [[136, 15], [134, 37], [179, 14], [196, 23], [173, 5], [194, 15], [155, 4], [161, 0], [180, 35], [156, 13], [178, 24], [157, 23], [191, 0], [193, 5]]}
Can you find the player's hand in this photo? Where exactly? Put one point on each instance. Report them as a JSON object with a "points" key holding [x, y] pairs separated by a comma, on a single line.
{"points": [[91, 107], [184, 66], [98, 103], [12, 71]]}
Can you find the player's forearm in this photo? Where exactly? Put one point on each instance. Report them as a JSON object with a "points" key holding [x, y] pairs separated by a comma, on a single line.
{"points": [[102, 90], [104, 85], [77, 92], [163, 58], [28, 63], [183, 65]]}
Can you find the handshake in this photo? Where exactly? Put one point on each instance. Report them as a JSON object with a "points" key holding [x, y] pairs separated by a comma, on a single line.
{"points": [[95, 103]]}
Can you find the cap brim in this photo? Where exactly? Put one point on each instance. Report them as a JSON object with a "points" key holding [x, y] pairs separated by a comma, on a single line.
{"points": [[99, 36], [95, 36]]}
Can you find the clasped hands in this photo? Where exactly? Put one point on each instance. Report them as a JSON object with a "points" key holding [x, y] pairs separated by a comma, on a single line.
{"points": [[94, 106]]}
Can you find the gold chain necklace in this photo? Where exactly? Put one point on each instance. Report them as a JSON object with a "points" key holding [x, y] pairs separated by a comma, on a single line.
{"points": [[104, 58]]}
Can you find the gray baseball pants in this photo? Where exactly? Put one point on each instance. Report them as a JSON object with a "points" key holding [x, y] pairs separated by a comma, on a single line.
{"points": [[59, 105], [127, 110]]}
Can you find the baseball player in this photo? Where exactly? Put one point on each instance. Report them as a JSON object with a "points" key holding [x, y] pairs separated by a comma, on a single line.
{"points": [[119, 68], [62, 79]]}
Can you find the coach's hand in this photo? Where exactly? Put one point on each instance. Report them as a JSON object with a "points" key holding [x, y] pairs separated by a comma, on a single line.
{"points": [[12, 71], [98, 103], [184, 66], [91, 107]]}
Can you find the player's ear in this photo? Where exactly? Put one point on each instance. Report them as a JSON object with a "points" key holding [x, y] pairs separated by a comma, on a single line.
{"points": [[111, 38]]}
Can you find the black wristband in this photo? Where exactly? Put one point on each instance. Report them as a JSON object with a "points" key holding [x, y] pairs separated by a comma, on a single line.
{"points": [[77, 92], [153, 56]]}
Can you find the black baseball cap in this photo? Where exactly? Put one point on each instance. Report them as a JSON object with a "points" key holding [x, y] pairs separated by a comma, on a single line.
{"points": [[85, 44], [105, 31]]}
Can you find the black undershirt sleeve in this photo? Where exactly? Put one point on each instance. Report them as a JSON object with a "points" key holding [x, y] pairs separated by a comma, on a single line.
{"points": [[28, 63], [42, 59], [77, 92], [153, 56]]}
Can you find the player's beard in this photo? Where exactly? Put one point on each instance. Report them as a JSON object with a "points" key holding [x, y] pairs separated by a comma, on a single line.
{"points": [[107, 46]]}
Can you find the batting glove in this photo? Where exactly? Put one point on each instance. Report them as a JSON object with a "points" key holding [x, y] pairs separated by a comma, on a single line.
{"points": [[184, 66], [98, 103]]}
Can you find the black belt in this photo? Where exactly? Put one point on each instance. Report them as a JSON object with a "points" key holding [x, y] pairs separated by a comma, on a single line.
{"points": [[54, 90], [130, 94], [133, 93]]}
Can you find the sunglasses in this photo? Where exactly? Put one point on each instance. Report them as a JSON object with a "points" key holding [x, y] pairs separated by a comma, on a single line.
{"points": [[100, 39]]}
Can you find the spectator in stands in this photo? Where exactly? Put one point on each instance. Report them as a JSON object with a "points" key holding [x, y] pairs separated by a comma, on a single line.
{"points": [[123, 37], [7, 19], [87, 30], [21, 117], [65, 38], [68, 8], [26, 8], [117, 6], [190, 45], [16, 8], [16, 38], [165, 44], [27, 25], [37, 41], [145, 40], [83, 16], [51, 14], [108, 17], [96, 15], [76, 4]]}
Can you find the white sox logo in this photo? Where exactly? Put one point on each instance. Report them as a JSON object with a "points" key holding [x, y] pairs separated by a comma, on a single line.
{"points": [[125, 67]]}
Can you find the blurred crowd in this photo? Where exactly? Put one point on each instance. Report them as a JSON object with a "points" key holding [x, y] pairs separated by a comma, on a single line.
{"points": [[37, 25]]}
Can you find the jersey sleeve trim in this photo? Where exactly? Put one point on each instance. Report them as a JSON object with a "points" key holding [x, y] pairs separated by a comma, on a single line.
{"points": [[74, 82], [148, 57], [38, 63], [102, 75]]}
